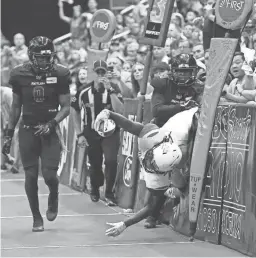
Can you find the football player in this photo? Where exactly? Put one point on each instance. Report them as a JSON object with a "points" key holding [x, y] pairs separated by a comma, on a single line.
{"points": [[162, 152], [170, 94], [41, 90]]}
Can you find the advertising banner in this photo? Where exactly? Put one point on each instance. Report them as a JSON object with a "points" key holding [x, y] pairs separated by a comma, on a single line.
{"points": [[210, 206], [157, 22], [125, 188], [238, 229]]}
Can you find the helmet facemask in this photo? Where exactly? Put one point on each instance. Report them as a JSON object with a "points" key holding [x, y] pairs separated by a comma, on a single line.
{"points": [[184, 76], [149, 163], [42, 61]]}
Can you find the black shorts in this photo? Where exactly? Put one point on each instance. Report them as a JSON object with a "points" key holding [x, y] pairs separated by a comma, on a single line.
{"points": [[32, 147]]}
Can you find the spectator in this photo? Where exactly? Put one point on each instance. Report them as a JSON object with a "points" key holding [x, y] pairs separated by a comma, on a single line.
{"points": [[82, 78], [142, 54], [137, 78], [198, 51], [159, 55], [178, 20], [116, 77], [78, 23], [92, 5], [19, 52], [239, 90], [188, 31], [131, 52], [139, 12], [190, 16], [185, 47]]}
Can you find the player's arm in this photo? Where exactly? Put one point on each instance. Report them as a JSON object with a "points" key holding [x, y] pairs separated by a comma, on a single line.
{"points": [[162, 111], [64, 102], [132, 127], [15, 111], [16, 101], [116, 99], [118, 228]]}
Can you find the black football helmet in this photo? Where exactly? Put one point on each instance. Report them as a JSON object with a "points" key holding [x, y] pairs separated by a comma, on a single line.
{"points": [[41, 53], [184, 70]]}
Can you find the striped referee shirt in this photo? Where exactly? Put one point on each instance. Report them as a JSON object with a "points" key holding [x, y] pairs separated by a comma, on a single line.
{"points": [[91, 102]]}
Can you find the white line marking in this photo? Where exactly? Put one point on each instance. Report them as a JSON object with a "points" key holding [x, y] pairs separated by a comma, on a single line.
{"points": [[212, 204], [17, 180], [227, 206], [242, 144], [24, 195], [242, 149], [64, 215], [243, 206], [95, 245]]}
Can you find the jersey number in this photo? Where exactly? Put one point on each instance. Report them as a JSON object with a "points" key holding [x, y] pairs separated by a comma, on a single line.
{"points": [[38, 93]]}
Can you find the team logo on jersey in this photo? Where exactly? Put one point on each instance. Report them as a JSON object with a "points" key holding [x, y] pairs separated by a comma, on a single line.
{"points": [[51, 80], [38, 94], [39, 77], [127, 171], [73, 99]]}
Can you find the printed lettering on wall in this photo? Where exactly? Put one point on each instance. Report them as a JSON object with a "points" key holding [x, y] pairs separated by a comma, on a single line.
{"points": [[127, 144], [226, 155]]}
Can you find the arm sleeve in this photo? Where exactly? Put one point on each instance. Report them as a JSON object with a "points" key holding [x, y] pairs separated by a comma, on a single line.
{"points": [[160, 110], [13, 81], [64, 82], [128, 125]]}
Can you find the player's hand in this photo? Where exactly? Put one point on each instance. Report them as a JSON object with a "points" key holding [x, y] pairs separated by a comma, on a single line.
{"points": [[82, 142], [190, 104], [47, 128], [7, 145], [116, 229]]}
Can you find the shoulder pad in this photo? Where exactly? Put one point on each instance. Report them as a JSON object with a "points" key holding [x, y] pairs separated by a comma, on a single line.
{"points": [[61, 69]]}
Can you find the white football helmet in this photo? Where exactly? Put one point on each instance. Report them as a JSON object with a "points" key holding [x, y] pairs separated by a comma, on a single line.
{"points": [[105, 127], [162, 157]]}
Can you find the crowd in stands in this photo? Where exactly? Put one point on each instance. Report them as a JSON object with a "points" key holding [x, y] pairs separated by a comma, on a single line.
{"points": [[189, 32]]}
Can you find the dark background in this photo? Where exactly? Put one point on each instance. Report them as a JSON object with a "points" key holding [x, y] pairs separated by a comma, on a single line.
{"points": [[37, 17]]}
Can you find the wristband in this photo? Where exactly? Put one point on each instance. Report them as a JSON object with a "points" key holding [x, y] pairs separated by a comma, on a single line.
{"points": [[53, 123]]}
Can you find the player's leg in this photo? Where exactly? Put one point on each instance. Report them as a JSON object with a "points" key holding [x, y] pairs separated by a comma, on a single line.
{"points": [[110, 146], [154, 216], [30, 148], [50, 158], [95, 155]]}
